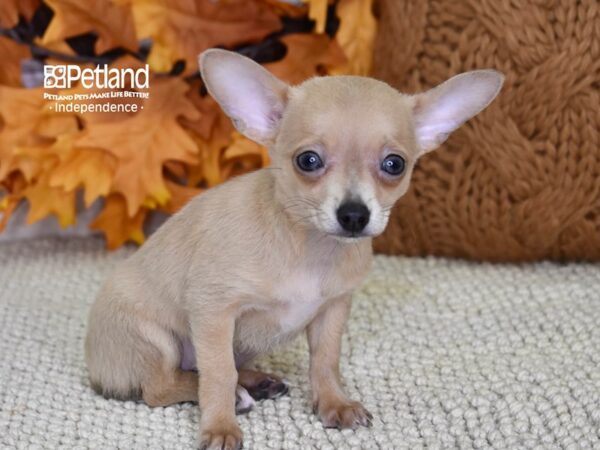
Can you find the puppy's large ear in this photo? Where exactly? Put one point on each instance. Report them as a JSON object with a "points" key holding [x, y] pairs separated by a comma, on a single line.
{"points": [[252, 97], [441, 110]]}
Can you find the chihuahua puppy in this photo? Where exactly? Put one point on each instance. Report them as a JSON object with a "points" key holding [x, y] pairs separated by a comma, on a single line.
{"points": [[254, 262]]}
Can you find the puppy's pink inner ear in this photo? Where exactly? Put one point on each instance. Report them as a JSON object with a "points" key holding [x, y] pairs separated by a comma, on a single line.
{"points": [[433, 122], [251, 96], [253, 108], [441, 110]]}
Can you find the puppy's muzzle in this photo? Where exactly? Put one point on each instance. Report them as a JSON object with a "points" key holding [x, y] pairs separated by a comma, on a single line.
{"points": [[353, 216]]}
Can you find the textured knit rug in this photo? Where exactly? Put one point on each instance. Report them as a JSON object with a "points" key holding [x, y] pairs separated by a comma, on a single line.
{"points": [[445, 354]]}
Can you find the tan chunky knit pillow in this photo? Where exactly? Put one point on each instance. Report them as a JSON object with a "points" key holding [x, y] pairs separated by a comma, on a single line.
{"points": [[522, 180]]}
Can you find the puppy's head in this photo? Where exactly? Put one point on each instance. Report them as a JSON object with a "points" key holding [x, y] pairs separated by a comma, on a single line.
{"points": [[343, 147]]}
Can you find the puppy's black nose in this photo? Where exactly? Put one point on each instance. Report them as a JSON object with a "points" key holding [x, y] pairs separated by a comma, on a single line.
{"points": [[353, 216]]}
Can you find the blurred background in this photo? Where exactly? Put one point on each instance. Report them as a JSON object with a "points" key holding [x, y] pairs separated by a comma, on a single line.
{"points": [[519, 182]]}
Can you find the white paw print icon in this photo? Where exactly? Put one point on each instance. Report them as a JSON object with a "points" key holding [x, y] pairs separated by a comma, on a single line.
{"points": [[55, 77]]}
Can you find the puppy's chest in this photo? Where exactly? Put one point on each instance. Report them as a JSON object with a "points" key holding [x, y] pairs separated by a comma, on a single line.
{"points": [[297, 297]]}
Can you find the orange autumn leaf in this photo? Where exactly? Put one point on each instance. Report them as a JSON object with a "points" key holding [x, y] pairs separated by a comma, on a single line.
{"points": [[176, 169], [223, 159], [8, 205], [317, 11], [243, 155], [15, 183], [356, 36], [11, 194], [56, 46], [27, 121], [307, 55], [180, 195], [45, 199], [207, 170], [212, 132], [242, 147], [211, 123], [181, 29], [36, 160], [112, 23], [116, 224], [20, 112], [53, 125], [10, 10], [144, 142], [89, 168], [12, 54]]}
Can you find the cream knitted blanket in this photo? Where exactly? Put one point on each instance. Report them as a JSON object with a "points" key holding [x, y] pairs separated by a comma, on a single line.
{"points": [[445, 354]]}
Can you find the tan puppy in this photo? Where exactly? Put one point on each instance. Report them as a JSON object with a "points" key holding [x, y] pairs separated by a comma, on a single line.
{"points": [[251, 264]]}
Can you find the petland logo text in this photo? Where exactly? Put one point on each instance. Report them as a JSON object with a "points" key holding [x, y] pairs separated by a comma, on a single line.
{"points": [[110, 89], [65, 76]]}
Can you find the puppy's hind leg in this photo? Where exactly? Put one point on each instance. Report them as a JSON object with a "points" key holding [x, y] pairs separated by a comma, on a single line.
{"points": [[167, 387], [163, 382], [131, 354]]}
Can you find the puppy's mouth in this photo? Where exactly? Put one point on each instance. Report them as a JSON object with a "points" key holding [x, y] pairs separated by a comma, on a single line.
{"points": [[348, 236]]}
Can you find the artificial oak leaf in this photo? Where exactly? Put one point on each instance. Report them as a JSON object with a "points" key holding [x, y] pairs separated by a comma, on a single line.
{"points": [[27, 121], [34, 160], [13, 184], [317, 11], [242, 156], [10, 10], [113, 24], [144, 142], [53, 125], [11, 194], [116, 224], [8, 205], [241, 147], [182, 29], [180, 195], [356, 36], [211, 123], [12, 54], [45, 200], [207, 171], [89, 168], [176, 169], [19, 106], [57, 46], [212, 134], [307, 55], [38, 162]]}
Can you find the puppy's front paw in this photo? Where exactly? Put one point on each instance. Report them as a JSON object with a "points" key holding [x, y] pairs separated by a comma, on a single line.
{"points": [[343, 414], [221, 437]]}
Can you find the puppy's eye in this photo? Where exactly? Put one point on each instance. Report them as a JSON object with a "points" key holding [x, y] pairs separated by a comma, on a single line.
{"points": [[393, 165], [309, 161]]}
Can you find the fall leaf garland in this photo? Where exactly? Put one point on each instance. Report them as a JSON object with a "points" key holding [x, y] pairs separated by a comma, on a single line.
{"points": [[178, 143]]}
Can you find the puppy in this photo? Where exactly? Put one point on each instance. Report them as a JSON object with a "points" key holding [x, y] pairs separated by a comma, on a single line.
{"points": [[254, 262]]}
